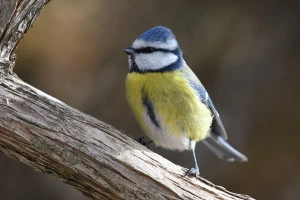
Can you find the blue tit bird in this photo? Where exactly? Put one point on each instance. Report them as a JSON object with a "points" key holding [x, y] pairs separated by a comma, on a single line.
{"points": [[168, 100]]}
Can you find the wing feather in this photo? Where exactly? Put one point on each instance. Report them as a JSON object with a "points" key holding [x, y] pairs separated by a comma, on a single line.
{"points": [[217, 125]]}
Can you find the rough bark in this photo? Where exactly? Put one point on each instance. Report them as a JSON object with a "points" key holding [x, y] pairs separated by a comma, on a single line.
{"points": [[56, 139]]}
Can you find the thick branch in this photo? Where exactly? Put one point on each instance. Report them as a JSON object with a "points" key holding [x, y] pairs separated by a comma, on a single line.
{"points": [[16, 17], [91, 155], [56, 139]]}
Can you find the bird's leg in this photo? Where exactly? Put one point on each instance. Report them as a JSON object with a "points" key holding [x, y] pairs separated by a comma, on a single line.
{"points": [[143, 141], [194, 170]]}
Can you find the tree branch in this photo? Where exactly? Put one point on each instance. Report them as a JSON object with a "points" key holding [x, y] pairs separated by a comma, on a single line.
{"points": [[56, 139]]}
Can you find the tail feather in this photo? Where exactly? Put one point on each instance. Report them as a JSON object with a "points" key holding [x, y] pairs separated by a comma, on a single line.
{"points": [[223, 150]]}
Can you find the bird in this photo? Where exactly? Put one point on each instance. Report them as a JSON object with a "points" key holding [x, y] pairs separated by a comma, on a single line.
{"points": [[168, 100]]}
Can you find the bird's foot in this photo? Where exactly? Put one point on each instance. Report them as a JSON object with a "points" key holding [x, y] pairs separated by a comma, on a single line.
{"points": [[144, 142], [193, 172]]}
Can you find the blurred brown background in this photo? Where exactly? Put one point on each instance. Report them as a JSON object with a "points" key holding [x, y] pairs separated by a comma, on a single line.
{"points": [[246, 53]]}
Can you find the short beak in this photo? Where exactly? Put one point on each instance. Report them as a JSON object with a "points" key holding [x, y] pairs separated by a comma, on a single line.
{"points": [[129, 50]]}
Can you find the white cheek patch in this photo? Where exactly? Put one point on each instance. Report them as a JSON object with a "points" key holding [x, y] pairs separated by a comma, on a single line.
{"points": [[155, 60], [170, 44]]}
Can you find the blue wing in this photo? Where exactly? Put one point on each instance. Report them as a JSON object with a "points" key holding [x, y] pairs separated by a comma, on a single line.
{"points": [[218, 136], [217, 125]]}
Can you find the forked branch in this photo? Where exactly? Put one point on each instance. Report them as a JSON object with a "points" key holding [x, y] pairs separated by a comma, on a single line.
{"points": [[56, 139]]}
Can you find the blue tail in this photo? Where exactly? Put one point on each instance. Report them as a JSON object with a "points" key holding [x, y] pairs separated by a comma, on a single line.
{"points": [[223, 150]]}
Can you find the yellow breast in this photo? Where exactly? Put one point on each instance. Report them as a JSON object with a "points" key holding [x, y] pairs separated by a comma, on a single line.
{"points": [[176, 105]]}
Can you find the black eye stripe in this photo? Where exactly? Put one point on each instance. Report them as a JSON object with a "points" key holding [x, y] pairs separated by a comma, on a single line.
{"points": [[145, 50], [151, 50]]}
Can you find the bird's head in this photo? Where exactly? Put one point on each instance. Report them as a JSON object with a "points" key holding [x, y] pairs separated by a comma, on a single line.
{"points": [[156, 50]]}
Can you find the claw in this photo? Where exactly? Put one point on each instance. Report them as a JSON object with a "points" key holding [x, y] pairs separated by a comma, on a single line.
{"points": [[193, 172], [144, 142]]}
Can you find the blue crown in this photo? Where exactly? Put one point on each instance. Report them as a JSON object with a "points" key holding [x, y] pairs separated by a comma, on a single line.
{"points": [[156, 34]]}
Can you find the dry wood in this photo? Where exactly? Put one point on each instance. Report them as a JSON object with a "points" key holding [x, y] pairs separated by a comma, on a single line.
{"points": [[56, 139]]}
